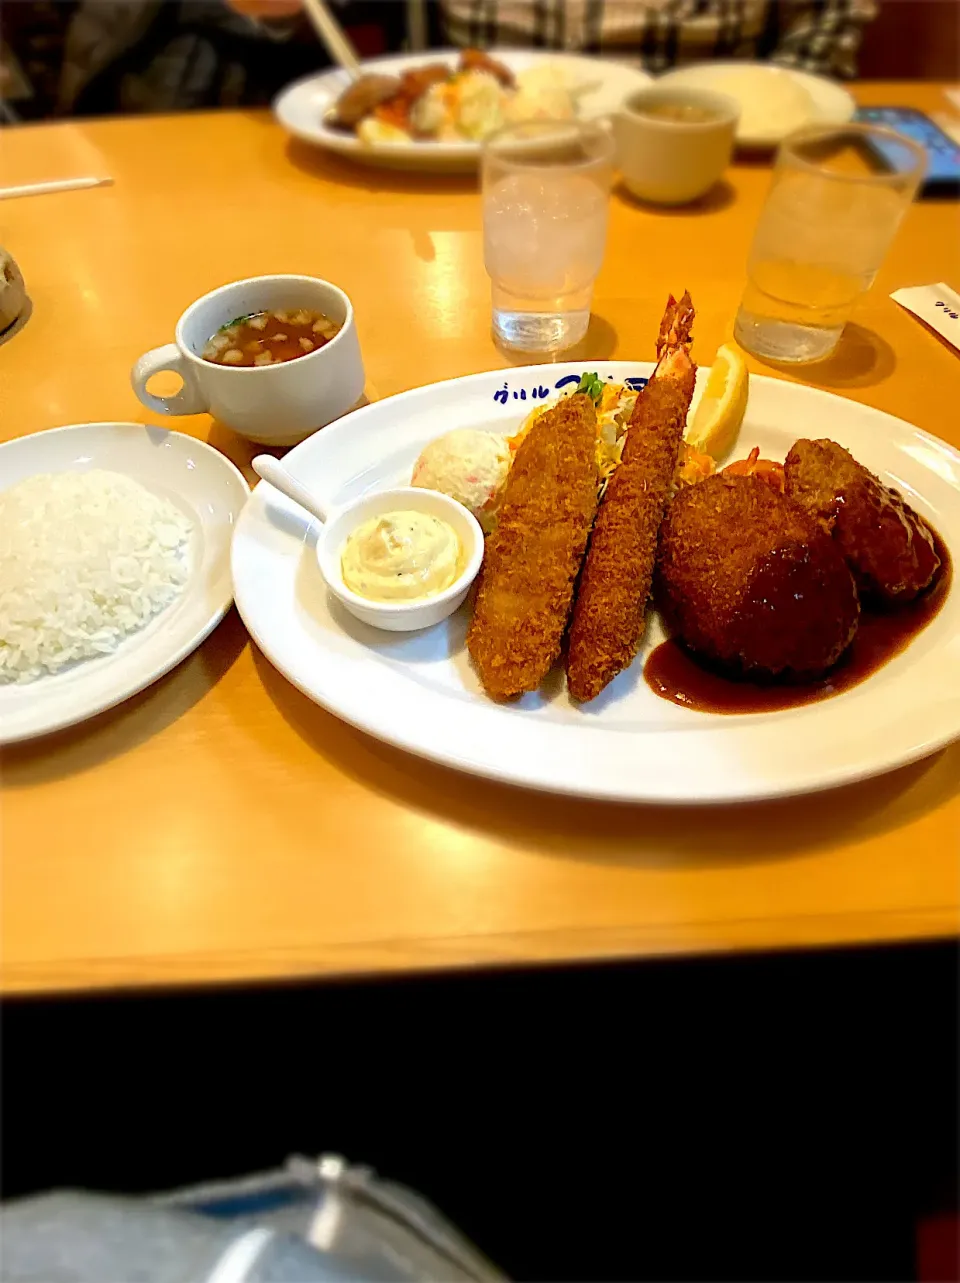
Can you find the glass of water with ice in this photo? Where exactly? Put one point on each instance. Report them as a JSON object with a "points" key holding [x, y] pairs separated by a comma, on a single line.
{"points": [[546, 198], [838, 195]]}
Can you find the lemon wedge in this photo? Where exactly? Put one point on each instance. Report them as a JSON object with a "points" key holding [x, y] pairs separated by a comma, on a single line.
{"points": [[716, 423]]}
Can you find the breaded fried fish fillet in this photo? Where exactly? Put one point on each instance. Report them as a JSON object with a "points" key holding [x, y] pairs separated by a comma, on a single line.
{"points": [[533, 557], [608, 618]]}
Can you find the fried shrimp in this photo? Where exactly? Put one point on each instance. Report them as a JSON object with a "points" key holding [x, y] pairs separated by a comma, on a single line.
{"points": [[608, 619], [533, 557]]}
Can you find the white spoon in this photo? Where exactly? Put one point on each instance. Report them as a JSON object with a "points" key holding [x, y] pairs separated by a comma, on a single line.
{"points": [[272, 470]]}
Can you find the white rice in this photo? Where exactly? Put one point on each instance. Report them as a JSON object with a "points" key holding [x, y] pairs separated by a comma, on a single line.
{"points": [[86, 559]]}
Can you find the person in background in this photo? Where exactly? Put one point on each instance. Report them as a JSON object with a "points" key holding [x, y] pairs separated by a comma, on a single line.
{"points": [[96, 57], [173, 55], [821, 36]]}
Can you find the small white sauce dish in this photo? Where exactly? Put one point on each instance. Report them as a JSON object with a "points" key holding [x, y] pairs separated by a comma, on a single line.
{"points": [[337, 525]]}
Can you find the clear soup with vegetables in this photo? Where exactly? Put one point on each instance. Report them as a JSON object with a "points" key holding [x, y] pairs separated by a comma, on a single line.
{"points": [[269, 338], [680, 113]]}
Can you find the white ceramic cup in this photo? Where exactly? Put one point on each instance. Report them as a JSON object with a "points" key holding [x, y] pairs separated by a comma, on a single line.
{"points": [[277, 404], [672, 162]]}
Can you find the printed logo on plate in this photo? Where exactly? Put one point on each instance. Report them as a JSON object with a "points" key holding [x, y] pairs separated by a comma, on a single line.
{"points": [[537, 391]]}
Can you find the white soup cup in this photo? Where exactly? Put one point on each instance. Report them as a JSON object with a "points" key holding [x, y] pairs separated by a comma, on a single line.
{"points": [[277, 404], [671, 162]]}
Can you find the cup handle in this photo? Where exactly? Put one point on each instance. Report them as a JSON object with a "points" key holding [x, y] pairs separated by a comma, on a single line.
{"points": [[189, 400]]}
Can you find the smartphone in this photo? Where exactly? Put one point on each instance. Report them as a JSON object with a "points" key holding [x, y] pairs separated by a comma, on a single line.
{"points": [[943, 154]]}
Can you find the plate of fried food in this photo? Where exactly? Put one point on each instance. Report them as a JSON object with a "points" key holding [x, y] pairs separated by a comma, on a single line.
{"points": [[432, 112], [652, 621]]}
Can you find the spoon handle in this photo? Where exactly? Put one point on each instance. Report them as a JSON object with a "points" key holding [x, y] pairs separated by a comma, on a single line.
{"points": [[273, 471]]}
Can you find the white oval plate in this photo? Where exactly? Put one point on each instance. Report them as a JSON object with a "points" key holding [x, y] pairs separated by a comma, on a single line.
{"points": [[421, 693], [301, 107], [832, 104], [203, 484]]}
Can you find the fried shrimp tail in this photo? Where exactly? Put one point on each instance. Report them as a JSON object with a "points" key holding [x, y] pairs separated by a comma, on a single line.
{"points": [[533, 557], [608, 618], [675, 328]]}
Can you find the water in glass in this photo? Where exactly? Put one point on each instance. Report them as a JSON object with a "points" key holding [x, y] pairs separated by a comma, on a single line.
{"points": [[837, 198], [544, 234]]}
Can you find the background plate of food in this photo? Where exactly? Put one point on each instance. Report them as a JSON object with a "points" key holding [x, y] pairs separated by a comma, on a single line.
{"points": [[774, 101], [114, 565], [431, 111], [533, 452]]}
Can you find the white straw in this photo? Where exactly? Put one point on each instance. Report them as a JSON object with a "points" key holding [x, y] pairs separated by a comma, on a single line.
{"points": [[331, 33], [56, 185]]}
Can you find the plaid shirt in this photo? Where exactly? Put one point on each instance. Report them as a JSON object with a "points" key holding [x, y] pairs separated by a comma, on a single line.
{"points": [[814, 35], [160, 55]]}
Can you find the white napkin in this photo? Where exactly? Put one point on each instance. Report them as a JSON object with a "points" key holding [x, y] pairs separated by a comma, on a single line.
{"points": [[938, 305]]}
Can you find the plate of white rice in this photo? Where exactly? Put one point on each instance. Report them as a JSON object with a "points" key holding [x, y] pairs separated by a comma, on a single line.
{"points": [[114, 565]]}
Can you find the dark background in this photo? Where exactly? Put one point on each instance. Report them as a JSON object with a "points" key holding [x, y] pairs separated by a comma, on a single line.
{"points": [[788, 1116]]}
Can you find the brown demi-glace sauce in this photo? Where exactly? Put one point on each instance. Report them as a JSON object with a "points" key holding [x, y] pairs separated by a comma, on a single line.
{"points": [[672, 673]]}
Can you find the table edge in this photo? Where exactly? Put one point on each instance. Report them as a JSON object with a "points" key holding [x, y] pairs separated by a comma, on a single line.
{"points": [[384, 958]]}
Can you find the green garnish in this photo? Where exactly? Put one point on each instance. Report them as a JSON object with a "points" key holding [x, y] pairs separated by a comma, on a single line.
{"points": [[592, 385], [237, 320]]}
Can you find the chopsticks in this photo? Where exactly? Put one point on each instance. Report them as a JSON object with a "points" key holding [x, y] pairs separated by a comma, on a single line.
{"points": [[333, 36], [416, 26], [55, 185]]}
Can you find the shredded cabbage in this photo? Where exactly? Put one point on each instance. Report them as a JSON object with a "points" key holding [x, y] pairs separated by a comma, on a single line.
{"points": [[614, 402]]}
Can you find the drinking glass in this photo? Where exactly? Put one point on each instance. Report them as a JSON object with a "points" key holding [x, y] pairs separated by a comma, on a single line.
{"points": [[837, 198], [546, 199]]}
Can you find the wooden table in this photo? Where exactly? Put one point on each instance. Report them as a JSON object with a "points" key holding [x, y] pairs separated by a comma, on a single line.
{"points": [[220, 826]]}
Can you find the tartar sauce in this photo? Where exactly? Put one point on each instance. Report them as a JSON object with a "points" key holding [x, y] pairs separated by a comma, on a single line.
{"points": [[401, 556]]}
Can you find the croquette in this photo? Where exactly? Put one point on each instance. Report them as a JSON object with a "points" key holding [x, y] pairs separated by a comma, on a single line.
{"points": [[748, 579], [889, 548], [532, 559]]}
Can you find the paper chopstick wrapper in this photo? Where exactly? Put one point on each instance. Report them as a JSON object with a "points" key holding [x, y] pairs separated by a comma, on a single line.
{"points": [[937, 305]]}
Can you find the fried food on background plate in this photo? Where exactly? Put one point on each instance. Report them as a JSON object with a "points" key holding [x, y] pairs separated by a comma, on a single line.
{"points": [[889, 548], [747, 578], [362, 97], [480, 60], [608, 618], [533, 557]]}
